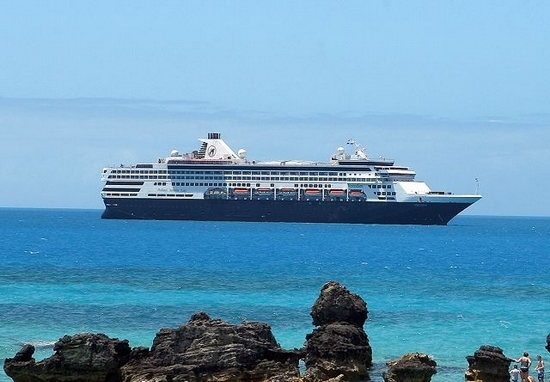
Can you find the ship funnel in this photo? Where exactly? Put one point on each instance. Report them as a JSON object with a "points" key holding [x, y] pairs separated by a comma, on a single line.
{"points": [[214, 135]]}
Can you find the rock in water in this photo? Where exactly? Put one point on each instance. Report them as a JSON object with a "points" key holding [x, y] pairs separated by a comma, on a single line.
{"points": [[339, 347], [488, 364], [84, 357], [207, 349], [413, 367]]}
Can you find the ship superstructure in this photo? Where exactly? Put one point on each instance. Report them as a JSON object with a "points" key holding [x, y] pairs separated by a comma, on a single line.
{"points": [[215, 183]]}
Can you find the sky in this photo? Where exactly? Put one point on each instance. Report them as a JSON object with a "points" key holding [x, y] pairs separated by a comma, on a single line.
{"points": [[457, 90]]}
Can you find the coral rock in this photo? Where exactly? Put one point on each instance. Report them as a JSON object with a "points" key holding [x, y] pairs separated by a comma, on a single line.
{"points": [[213, 350], [488, 364], [83, 357], [339, 349], [413, 367]]}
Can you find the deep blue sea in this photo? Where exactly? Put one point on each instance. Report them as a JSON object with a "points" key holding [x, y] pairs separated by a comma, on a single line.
{"points": [[438, 290]]}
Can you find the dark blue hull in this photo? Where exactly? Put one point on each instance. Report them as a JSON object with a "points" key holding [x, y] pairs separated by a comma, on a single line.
{"points": [[283, 211]]}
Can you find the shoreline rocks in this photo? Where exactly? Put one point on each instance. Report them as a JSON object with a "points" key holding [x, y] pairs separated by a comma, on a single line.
{"points": [[339, 346], [84, 357], [488, 364], [412, 367], [212, 350]]}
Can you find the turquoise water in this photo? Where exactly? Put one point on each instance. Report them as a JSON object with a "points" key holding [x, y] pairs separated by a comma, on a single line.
{"points": [[443, 291]]}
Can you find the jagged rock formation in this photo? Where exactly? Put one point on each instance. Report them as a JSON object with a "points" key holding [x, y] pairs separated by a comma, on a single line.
{"points": [[488, 364], [548, 342], [85, 357], [339, 348], [213, 350], [413, 367]]}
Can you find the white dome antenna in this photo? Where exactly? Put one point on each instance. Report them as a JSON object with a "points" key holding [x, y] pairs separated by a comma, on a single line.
{"points": [[242, 153]]}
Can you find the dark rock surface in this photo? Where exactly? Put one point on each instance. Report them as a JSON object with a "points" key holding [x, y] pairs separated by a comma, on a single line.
{"points": [[213, 350], [413, 367], [337, 304], [84, 357], [548, 342], [339, 347], [488, 364]]}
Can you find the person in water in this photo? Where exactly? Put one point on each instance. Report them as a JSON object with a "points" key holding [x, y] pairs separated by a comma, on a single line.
{"points": [[524, 364], [540, 369], [514, 374]]}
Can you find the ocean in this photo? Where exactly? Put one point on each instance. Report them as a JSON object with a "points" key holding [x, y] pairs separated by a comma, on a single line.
{"points": [[440, 290]]}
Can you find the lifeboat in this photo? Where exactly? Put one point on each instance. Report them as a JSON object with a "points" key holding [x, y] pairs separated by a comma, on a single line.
{"points": [[312, 194], [357, 195], [241, 193], [263, 193]]}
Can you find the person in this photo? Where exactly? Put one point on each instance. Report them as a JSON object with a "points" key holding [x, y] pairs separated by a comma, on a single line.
{"points": [[514, 374], [524, 364], [540, 369], [530, 379]]}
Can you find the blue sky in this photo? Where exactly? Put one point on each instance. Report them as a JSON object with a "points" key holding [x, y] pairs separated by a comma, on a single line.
{"points": [[457, 90]]}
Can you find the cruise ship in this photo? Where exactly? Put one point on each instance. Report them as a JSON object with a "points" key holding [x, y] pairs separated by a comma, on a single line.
{"points": [[218, 184]]}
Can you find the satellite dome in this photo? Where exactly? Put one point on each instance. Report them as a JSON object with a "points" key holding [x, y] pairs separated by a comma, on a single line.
{"points": [[341, 150], [174, 153], [242, 153]]}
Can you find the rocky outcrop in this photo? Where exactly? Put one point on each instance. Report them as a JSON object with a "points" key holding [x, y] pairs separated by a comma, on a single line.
{"points": [[201, 350], [213, 350], [488, 364], [339, 348], [413, 367], [548, 342], [84, 357]]}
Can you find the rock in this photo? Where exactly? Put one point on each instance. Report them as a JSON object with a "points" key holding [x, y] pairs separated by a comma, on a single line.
{"points": [[24, 355], [548, 342], [205, 349], [83, 357], [337, 304], [339, 348], [488, 364], [211, 350], [412, 367]]}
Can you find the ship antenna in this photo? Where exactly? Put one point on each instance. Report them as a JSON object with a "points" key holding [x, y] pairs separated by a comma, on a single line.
{"points": [[477, 186], [359, 150]]}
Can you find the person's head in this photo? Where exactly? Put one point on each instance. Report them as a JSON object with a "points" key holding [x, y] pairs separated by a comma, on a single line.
{"points": [[525, 354], [515, 366], [539, 357]]}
